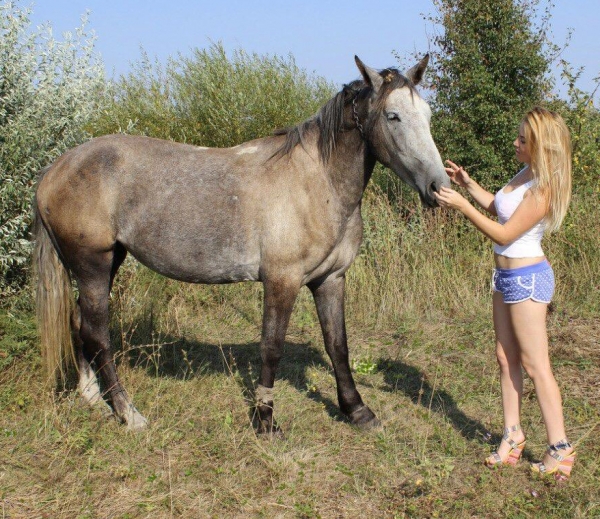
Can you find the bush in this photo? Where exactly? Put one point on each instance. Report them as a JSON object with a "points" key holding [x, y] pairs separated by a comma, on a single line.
{"points": [[49, 90], [583, 119], [209, 99]]}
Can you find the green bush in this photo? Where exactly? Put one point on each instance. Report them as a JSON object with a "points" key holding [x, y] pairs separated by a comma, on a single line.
{"points": [[210, 99], [49, 90], [583, 119]]}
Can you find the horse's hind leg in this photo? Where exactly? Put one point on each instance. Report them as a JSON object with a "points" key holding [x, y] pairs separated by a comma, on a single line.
{"points": [[94, 283], [329, 299], [88, 383]]}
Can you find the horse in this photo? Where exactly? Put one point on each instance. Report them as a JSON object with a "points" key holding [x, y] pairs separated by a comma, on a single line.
{"points": [[284, 210]]}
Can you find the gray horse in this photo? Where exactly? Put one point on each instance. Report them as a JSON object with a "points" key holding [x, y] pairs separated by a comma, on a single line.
{"points": [[284, 210]]}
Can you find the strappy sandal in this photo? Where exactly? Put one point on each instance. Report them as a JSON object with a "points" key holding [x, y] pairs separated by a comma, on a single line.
{"points": [[562, 470], [516, 450]]}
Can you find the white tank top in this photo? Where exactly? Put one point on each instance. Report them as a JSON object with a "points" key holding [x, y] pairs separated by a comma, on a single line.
{"points": [[529, 244]]}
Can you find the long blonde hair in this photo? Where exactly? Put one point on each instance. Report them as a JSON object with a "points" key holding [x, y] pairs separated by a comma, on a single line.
{"points": [[549, 144]]}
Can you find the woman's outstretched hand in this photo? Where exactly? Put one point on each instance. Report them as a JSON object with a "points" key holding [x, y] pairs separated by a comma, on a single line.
{"points": [[457, 174], [451, 199]]}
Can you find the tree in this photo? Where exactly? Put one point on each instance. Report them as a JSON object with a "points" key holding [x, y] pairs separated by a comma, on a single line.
{"points": [[492, 65], [48, 92]]}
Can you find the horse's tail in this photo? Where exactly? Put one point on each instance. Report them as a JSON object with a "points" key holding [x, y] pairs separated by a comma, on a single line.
{"points": [[54, 305]]}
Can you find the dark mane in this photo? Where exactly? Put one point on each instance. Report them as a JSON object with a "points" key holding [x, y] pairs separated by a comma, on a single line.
{"points": [[328, 121]]}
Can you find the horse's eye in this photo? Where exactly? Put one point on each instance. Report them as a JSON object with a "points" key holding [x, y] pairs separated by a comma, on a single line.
{"points": [[393, 116]]}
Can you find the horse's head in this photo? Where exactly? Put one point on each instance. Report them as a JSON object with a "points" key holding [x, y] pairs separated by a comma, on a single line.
{"points": [[397, 128]]}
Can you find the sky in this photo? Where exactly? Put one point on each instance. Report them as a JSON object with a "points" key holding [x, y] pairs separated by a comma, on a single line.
{"points": [[322, 35]]}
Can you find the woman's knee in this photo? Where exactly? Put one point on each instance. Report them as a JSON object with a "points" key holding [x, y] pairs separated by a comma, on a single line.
{"points": [[505, 360], [538, 372]]}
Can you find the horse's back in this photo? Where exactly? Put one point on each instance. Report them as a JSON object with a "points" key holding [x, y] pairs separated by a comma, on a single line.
{"points": [[196, 214]]}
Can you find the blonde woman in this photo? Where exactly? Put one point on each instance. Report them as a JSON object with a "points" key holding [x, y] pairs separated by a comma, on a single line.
{"points": [[533, 202]]}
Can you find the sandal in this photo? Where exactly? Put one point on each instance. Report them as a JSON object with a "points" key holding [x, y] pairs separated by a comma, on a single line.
{"points": [[562, 470], [516, 449]]}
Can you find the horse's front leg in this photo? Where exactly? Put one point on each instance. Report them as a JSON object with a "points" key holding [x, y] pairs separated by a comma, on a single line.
{"points": [[279, 298], [329, 299]]}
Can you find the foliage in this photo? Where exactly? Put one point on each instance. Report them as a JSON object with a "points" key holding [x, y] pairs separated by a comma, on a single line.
{"points": [[48, 91], [583, 119], [210, 99], [491, 66]]}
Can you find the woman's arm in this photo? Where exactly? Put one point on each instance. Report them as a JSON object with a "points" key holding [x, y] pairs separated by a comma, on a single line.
{"points": [[459, 176], [530, 211], [484, 198]]}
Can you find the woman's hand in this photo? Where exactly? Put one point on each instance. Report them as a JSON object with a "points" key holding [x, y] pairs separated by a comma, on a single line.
{"points": [[457, 174], [449, 198]]}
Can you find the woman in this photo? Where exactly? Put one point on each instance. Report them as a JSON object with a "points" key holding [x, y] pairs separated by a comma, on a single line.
{"points": [[533, 202]]}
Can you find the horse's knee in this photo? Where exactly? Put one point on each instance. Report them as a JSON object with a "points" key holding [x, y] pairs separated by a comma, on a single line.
{"points": [[271, 353]]}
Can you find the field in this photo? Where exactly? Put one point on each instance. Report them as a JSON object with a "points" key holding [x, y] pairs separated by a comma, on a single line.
{"points": [[421, 343]]}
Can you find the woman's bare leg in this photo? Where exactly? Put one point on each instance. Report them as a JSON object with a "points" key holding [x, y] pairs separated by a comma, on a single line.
{"points": [[511, 376], [529, 326]]}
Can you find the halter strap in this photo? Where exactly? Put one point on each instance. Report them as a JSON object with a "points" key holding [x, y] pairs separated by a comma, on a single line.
{"points": [[359, 126]]}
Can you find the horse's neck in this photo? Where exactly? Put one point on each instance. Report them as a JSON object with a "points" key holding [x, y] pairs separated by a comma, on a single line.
{"points": [[349, 168]]}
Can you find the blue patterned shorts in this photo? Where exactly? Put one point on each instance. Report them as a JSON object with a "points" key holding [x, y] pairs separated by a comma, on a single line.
{"points": [[534, 282]]}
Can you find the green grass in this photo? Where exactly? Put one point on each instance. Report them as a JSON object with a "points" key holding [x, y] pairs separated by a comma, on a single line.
{"points": [[421, 343]]}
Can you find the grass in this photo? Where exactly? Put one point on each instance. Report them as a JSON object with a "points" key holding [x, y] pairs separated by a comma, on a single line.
{"points": [[422, 351]]}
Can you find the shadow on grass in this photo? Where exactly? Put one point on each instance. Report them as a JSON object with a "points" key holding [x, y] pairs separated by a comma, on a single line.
{"points": [[403, 377], [176, 357], [183, 359]]}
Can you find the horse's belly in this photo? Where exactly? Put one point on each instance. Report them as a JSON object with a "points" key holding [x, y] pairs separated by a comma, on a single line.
{"points": [[196, 257], [208, 272]]}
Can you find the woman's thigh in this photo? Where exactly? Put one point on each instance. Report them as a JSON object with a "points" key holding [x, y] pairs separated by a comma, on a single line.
{"points": [[528, 320], [507, 346]]}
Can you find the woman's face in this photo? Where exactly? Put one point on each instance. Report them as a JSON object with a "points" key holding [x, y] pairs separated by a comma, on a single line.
{"points": [[521, 148]]}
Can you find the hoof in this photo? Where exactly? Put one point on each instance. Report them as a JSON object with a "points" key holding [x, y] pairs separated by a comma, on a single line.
{"points": [[270, 431], [134, 420], [364, 419], [103, 409]]}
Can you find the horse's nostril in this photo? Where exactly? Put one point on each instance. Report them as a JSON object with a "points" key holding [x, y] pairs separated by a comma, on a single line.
{"points": [[433, 187]]}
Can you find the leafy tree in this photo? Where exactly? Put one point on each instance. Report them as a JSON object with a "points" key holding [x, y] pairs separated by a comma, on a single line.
{"points": [[491, 66], [48, 91]]}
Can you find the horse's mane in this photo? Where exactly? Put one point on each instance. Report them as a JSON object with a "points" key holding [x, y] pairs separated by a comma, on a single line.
{"points": [[328, 121]]}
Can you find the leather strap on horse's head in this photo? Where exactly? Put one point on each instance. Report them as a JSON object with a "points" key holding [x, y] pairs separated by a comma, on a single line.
{"points": [[359, 126]]}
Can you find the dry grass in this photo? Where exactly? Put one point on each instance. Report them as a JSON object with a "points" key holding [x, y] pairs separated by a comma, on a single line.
{"points": [[435, 393], [421, 345]]}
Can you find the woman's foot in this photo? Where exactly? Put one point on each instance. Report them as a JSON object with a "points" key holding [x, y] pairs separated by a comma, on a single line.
{"points": [[510, 449], [558, 461]]}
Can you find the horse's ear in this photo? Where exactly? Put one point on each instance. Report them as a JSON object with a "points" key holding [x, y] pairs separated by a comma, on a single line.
{"points": [[371, 76], [416, 73]]}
